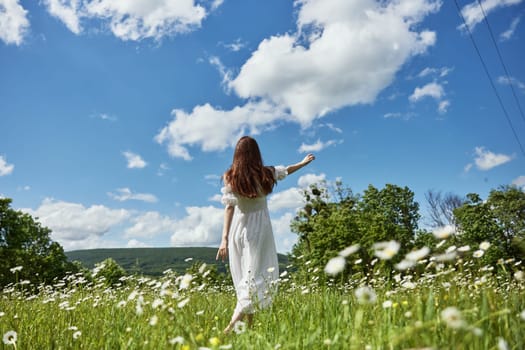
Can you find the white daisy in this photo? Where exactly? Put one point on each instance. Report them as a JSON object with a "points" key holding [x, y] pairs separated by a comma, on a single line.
{"points": [[335, 265], [10, 338]]}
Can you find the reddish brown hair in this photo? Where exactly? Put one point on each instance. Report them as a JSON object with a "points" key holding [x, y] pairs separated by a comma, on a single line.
{"points": [[247, 175]]}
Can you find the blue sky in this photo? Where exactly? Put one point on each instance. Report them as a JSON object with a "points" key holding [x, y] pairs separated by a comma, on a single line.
{"points": [[117, 118]]}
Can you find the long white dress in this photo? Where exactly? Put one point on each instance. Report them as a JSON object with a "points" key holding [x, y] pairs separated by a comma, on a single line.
{"points": [[252, 253]]}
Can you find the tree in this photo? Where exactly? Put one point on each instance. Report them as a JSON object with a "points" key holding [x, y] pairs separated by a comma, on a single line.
{"points": [[329, 223], [110, 270], [500, 220], [441, 207], [25, 243]]}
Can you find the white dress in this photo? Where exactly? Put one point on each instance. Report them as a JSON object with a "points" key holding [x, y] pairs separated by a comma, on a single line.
{"points": [[251, 245]]}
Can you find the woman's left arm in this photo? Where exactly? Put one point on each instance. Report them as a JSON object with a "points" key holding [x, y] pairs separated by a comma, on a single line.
{"points": [[222, 253]]}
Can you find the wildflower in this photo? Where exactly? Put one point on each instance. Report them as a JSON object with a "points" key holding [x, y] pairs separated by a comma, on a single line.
{"points": [[502, 344], [183, 303], [239, 327], [408, 314], [519, 275], [185, 281], [358, 261], [365, 295], [386, 250], [284, 273], [202, 268], [404, 264], [188, 259], [10, 338], [271, 269], [132, 295], [225, 347], [153, 320], [417, 255], [446, 257], [444, 232], [156, 303], [128, 329], [464, 249], [387, 304], [176, 340], [16, 269], [335, 265], [478, 253], [349, 250], [77, 335], [484, 245], [327, 342], [214, 341], [199, 313], [2, 313], [452, 317], [121, 304]]}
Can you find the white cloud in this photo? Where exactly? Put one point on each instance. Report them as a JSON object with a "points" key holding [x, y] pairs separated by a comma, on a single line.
{"points": [[13, 22], [506, 35], [68, 11], [215, 129], [443, 106], [235, 46], [200, 226], [486, 160], [511, 81], [5, 168], [76, 227], [223, 71], [316, 146], [520, 182], [134, 160], [473, 13], [133, 243], [342, 53], [150, 224], [309, 179], [433, 90], [125, 194], [291, 198], [133, 19], [332, 69], [439, 72]]}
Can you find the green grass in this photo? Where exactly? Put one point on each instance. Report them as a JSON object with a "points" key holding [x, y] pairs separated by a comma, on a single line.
{"points": [[303, 315]]}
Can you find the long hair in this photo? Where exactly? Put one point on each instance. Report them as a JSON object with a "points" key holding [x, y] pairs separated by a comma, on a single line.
{"points": [[247, 175]]}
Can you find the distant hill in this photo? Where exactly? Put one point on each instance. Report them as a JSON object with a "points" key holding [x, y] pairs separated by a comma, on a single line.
{"points": [[153, 261]]}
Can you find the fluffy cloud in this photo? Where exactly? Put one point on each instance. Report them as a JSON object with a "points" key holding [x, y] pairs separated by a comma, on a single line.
{"points": [[125, 194], [5, 168], [316, 146], [133, 243], [13, 22], [433, 90], [215, 129], [342, 53], [76, 227], [134, 160], [150, 224], [486, 160], [473, 13], [132, 19], [506, 35], [200, 226]]}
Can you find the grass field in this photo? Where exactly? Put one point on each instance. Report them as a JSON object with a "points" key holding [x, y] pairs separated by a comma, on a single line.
{"points": [[456, 305]]}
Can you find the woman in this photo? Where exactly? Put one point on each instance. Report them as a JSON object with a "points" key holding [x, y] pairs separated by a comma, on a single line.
{"points": [[247, 236]]}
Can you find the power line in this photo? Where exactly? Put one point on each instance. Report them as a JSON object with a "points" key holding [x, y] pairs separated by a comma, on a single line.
{"points": [[501, 60], [490, 78]]}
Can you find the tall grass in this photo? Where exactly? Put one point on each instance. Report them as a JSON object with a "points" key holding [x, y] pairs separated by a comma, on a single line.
{"points": [[454, 306]]}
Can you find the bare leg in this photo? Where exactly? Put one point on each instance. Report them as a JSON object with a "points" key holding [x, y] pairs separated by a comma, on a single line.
{"points": [[238, 317]]}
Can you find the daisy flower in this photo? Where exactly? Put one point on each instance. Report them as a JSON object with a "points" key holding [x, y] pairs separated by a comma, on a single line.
{"points": [[239, 327], [335, 265], [386, 250], [365, 295], [10, 338], [453, 317]]}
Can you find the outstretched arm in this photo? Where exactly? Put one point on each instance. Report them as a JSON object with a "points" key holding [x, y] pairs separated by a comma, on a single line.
{"points": [[222, 253], [293, 168]]}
